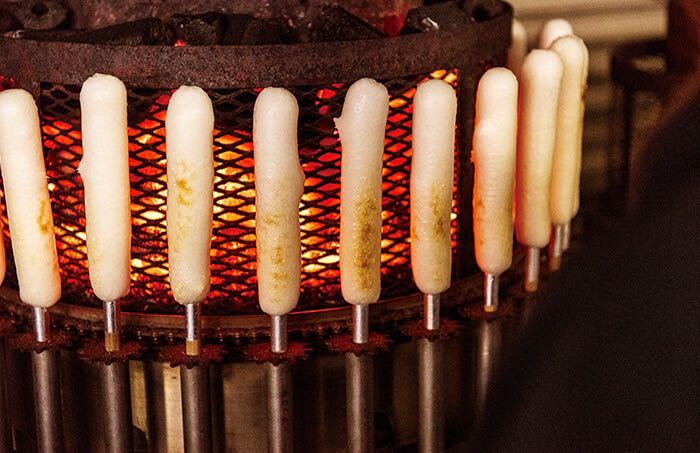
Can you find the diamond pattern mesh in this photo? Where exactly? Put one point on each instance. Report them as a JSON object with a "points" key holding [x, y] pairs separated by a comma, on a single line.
{"points": [[233, 246]]}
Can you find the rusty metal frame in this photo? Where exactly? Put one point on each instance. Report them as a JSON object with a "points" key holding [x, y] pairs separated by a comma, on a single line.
{"points": [[87, 320], [469, 49], [29, 62]]}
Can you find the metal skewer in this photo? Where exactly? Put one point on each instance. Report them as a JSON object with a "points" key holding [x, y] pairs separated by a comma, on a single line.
{"points": [[358, 389], [360, 326], [42, 324], [359, 396], [193, 345], [279, 408], [490, 293], [47, 394], [556, 248], [431, 421], [278, 334], [115, 384], [431, 311], [532, 269], [112, 322], [194, 386], [566, 237], [117, 408], [487, 354]]}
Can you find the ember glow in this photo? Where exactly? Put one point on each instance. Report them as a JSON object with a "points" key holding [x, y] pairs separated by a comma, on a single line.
{"points": [[233, 289]]}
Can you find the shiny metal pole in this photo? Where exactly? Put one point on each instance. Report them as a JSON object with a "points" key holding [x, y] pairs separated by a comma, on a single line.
{"points": [[360, 324], [532, 269], [47, 388], [490, 293], [556, 248], [193, 344], [112, 324], [115, 386], [42, 324], [196, 418], [117, 415], [278, 334], [279, 408], [566, 236], [359, 396], [488, 349], [47, 402], [431, 311], [431, 418], [194, 385]]}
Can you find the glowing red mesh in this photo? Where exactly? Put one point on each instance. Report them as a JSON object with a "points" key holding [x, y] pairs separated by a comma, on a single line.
{"points": [[233, 247]]}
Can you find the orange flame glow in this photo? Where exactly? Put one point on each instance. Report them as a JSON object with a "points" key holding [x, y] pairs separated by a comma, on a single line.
{"points": [[233, 243]]}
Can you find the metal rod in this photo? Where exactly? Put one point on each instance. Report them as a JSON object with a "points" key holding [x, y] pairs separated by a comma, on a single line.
{"points": [[196, 417], [431, 420], [488, 349], [47, 402], [279, 408], [566, 236], [117, 408], [532, 269], [112, 325], [555, 248], [490, 293], [218, 409], [193, 345], [431, 311], [360, 324], [359, 395], [278, 334], [42, 324]]}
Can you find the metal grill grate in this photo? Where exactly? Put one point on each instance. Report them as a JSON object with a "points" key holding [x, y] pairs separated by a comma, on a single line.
{"points": [[233, 247]]}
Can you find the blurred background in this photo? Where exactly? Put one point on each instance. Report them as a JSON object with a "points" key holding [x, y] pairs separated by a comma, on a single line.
{"points": [[604, 25]]}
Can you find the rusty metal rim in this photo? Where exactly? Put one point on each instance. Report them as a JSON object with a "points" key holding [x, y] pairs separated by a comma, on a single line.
{"points": [[89, 319], [30, 61]]}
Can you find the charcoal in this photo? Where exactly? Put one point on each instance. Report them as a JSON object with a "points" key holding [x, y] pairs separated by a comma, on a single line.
{"points": [[146, 32], [439, 16], [261, 32], [41, 14], [8, 21], [41, 35], [485, 9], [199, 30], [242, 29], [467, 5], [336, 24]]}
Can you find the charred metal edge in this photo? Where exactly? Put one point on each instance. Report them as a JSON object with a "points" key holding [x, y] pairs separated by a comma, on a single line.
{"points": [[30, 62]]}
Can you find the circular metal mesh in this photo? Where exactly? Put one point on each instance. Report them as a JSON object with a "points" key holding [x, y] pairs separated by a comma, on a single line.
{"points": [[234, 289]]}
